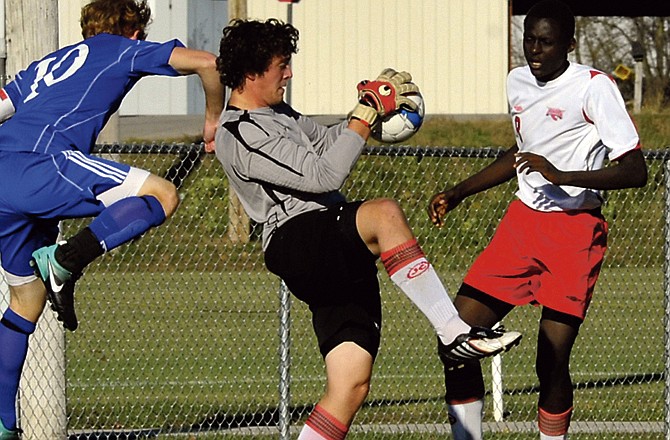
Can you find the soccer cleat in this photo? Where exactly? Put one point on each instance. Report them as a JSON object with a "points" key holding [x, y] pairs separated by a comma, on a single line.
{"points": [[479, 343], [8, 434], [59, 283]]}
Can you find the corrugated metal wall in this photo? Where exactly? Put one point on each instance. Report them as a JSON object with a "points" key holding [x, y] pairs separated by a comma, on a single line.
{"points": [[457, 50]]}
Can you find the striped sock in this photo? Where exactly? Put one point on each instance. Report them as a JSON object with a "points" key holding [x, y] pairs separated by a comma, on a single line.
{"points": [[320, 425], [409, 269], [553, 426]]}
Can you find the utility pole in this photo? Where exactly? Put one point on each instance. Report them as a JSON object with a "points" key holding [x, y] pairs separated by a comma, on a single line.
{"points": [[237, 9], [31, 33], [239, 223], [638, 57]]}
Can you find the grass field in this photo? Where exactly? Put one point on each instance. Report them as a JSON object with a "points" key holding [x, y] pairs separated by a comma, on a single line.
{"points": [[147, 359], [179, 334]]}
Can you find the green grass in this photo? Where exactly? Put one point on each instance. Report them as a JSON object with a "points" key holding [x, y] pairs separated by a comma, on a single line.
{"points": [[143, 359], [179, 329]]}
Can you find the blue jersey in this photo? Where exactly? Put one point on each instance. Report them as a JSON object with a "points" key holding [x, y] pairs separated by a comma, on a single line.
{"points": [[63, 101]]}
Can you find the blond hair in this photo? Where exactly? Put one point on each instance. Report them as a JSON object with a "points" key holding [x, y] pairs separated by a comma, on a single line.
{"points": [[118, 17]]}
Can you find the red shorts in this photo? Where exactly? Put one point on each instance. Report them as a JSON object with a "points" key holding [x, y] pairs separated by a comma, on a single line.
{"points": [[547, 258]]}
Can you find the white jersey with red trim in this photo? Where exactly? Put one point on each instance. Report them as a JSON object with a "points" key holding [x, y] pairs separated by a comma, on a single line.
{"points": [[575, 121]]}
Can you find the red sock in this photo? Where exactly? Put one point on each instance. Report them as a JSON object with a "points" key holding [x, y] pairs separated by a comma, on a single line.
{"points": [[326, 425], [554, 424], [400, 256]]}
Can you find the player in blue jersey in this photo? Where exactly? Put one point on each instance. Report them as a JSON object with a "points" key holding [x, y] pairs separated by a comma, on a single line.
{"points": [[53, 112]]}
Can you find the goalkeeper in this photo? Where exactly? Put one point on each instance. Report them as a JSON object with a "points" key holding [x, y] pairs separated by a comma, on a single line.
{"points": [[53, 113], [286, 170]]}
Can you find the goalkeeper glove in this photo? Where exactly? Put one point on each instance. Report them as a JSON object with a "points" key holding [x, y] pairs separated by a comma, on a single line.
{"points": [[364, 113], [388, 92]]}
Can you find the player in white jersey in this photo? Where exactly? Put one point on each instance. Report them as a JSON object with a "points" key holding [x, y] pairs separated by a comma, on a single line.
{"points": [[287, 171], [550, 244]]}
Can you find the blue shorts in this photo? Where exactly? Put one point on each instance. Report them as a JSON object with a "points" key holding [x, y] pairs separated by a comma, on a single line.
{"points": [[38, 190]]}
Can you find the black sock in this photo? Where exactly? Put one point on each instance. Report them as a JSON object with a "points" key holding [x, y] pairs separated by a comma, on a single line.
{"points": [[79, 251]]}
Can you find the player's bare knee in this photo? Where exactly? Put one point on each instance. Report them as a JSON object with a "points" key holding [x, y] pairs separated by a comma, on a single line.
{"points": [[357, 394], [361, 390], [163, 190], [167, 196], [169, 199], [29, 299], [387, 209], [351, 392]]}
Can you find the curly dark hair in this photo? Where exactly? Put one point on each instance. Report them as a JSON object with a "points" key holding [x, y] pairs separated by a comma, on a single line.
{"points": [[249, 46], [118, 17]]}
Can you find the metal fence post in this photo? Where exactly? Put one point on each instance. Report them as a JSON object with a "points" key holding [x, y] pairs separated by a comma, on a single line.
{"points": [[666, 289], [497, 388], [42, 392], [284, 362]]}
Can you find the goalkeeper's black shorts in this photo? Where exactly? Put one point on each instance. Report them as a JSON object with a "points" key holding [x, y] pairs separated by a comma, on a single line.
{"points": [[325, 263]]}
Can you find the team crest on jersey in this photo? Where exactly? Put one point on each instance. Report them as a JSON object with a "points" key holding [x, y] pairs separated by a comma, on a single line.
{"points": [[418, 269], [555, 113], [3, 95]]}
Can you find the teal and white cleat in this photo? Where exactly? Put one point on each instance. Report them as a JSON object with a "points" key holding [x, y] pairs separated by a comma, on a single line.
{"points": [[8, 434], [59, 283]]}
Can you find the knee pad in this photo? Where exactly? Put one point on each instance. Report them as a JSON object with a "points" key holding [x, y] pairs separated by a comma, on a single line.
{"points": [[463, 382]]}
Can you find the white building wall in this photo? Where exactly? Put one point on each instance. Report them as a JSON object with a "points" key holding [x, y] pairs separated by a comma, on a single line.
{"points": [[457, 50]]}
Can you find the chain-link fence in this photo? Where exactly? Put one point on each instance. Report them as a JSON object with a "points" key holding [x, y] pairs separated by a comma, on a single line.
{"points": [[184, 334]]}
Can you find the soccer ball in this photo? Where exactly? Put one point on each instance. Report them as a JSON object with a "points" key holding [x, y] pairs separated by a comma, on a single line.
{"points": [[401, 125]]}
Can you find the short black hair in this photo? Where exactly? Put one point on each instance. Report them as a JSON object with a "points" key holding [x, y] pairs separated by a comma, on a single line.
{"points": [[559, 12], [249, 46]]}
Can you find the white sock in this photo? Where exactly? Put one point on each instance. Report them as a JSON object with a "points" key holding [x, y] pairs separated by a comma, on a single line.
{"points": [[308, 433], [466, 420], [419, 281], [544, 436]]}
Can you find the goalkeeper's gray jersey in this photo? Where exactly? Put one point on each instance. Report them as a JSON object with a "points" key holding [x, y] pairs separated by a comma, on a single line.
{"points": [[281, 163]]}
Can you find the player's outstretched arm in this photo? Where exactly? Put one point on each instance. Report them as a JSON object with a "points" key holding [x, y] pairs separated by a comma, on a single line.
{"points": [[202, 63], [499, 171], [629, 171]]}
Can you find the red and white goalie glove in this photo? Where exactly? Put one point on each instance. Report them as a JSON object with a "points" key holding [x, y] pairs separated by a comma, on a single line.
{"points": [[388, 92], [364, 113]]}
